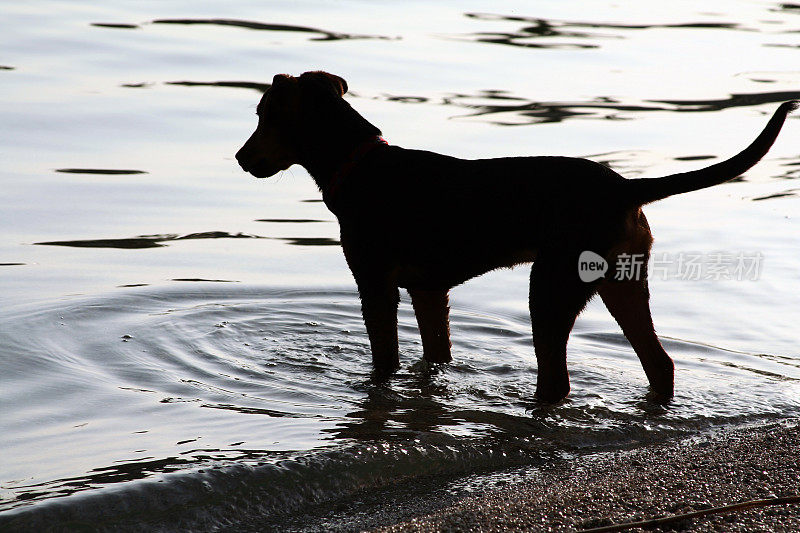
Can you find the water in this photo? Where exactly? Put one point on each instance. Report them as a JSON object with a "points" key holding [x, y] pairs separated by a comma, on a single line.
{"points": [[181, 344]]}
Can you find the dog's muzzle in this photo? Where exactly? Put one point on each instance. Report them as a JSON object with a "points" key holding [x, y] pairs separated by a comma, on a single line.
{"points": [[260, 168]]}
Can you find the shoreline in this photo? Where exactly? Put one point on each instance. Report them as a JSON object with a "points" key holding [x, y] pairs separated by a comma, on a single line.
{"points": [[721, 467], [728, 467]]}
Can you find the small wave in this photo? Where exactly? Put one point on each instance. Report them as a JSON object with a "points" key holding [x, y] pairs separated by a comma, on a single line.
{"points": [[220, 495]]}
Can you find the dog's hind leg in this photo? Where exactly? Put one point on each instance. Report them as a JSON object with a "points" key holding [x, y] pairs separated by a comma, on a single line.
{"points": [[628, 302], [431, 309], [557, 296], [379, 300]]}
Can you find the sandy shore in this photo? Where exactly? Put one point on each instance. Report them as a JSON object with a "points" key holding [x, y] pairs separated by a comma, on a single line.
{"points": [[728, 468]]}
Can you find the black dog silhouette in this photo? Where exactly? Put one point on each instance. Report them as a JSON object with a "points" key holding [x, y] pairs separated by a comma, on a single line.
{"points": [[427, 222]]}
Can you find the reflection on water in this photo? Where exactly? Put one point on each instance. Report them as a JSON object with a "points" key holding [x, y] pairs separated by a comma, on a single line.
{"points": [[533, 112], [156, 241], [311, 241], [320, 35], [735, 100], [148, 241], [791, 169], [260, 87], [106, 171], [204, 280], [246, 386], [784, 194], [290, 220], [694, 157], [115, 25], [323, 35], [229, 370], [490, 103], [539, 33]]}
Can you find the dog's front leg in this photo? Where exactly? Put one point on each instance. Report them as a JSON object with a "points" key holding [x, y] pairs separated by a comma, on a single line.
{"points": [[431, 309], [379, 299]]}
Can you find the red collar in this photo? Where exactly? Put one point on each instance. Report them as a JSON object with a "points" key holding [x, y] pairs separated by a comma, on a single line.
{"points": [[355, 157]]}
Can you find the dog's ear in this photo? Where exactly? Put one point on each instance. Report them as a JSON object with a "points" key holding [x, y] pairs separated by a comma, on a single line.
{"points": [[280, 79], [277, 95], [330, 82], [338, 82], [280, 83]]}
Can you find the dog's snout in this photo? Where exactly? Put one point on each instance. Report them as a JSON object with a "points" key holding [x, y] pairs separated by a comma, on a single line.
{"points": [[241, 157]]}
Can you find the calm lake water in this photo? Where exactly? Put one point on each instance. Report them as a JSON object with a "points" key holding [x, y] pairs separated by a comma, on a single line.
{"points": [[181, 344]]}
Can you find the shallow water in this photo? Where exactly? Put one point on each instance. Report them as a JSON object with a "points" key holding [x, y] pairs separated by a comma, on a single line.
{"points": [[182, 344]]}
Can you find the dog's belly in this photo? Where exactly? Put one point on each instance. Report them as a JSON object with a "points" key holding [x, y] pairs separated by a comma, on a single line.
{"points": [[454, 270]]}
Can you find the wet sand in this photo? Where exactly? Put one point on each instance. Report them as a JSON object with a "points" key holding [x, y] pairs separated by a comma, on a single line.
{"points": [[727, 468]]}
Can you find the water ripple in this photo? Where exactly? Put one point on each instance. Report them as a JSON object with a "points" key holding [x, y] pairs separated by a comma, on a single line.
{"points": [[157, 381]]}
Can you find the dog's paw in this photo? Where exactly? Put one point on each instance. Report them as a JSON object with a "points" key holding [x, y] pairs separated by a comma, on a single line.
{"points": [[383, 373], [551, 394], [425, 367], [662, 397]]}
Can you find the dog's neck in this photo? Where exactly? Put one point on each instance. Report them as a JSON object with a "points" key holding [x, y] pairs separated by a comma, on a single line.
{"points": [[331, 146], [330, 161], [350, 164]]}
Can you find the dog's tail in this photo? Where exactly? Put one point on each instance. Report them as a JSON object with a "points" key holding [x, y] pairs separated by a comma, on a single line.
{"points": [[645, 191]]}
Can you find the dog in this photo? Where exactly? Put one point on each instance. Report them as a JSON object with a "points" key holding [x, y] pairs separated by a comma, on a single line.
{"points": [[427, 222]]}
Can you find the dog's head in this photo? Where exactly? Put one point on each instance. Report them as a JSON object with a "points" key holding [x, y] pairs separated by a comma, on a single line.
{"points": [[287, 114]]}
